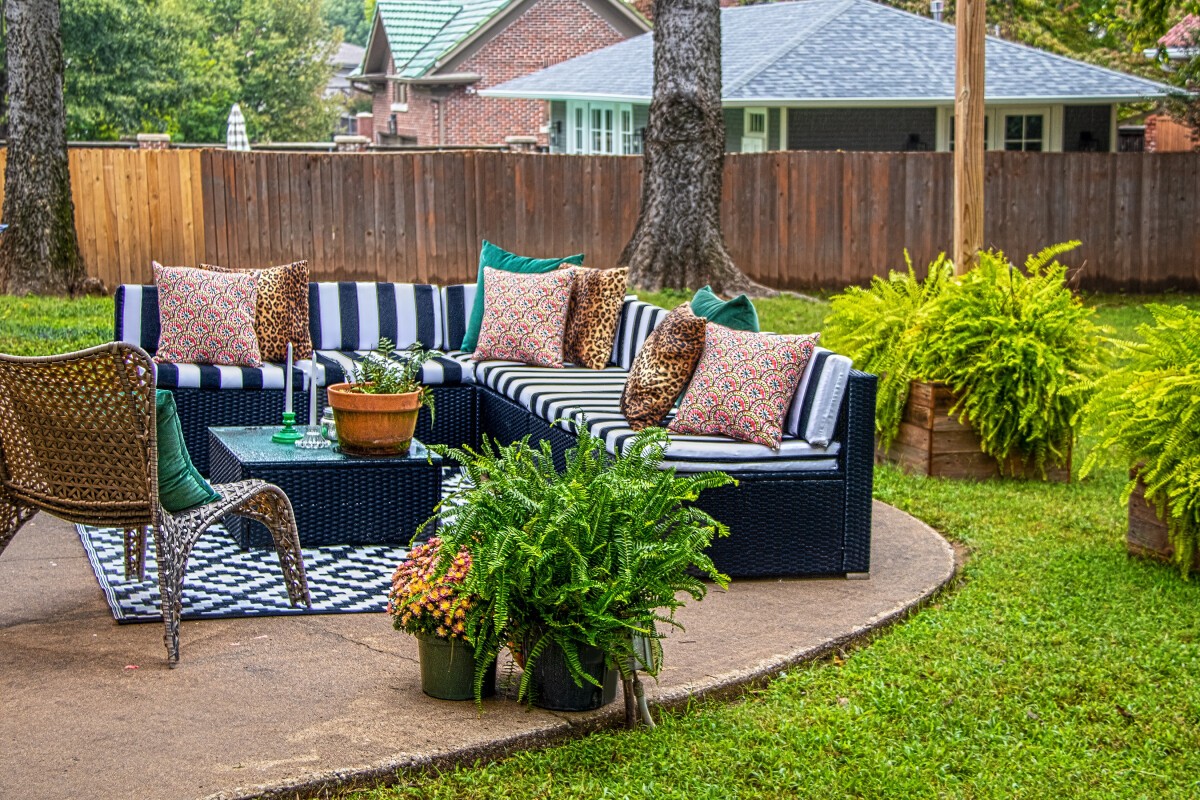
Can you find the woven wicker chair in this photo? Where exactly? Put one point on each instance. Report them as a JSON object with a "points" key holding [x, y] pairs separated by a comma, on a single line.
{"points": [[78, 440]]}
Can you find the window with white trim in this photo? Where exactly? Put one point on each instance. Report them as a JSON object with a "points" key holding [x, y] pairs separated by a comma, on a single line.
{"points": [[754, 130], [600, 128]]}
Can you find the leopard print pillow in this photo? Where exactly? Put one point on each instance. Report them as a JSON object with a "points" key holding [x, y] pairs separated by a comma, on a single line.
{"points": [[595, 309], [281, 312], [663, 367]]}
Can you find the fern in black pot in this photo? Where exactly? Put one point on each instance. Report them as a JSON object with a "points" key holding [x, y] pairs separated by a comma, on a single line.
{"points": [[579, 566]]}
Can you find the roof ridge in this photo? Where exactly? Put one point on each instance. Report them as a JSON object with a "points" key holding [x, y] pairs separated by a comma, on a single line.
{"points": [[769, 59]]}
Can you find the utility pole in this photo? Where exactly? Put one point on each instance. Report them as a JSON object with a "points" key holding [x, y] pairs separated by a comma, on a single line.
{"points": [[970, 41]]}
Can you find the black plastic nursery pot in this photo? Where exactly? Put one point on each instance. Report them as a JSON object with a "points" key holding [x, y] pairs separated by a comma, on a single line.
{"points": [[554, 689], [448, 669]]}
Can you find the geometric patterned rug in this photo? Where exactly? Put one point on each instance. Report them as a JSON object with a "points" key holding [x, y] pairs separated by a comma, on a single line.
{"points": [[222, 581]]}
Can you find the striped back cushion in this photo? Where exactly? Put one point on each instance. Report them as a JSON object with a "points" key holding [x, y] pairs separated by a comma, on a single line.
{"points": [[137, 316], [637, 320], [457, 301], [814, 411], [352, 315]]}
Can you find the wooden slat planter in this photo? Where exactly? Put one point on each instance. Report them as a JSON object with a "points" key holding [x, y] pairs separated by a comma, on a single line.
{"points": [[1147, 536], [934, 444]]}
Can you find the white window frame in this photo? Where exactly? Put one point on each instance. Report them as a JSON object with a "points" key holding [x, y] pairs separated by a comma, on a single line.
{"points": [[1052, 132], [581, 128], [756, 141]]}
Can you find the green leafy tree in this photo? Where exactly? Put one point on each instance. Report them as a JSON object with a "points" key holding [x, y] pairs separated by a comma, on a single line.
{"points": [[351, 16]]}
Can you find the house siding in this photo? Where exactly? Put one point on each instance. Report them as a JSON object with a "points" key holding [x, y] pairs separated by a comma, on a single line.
{"points": [[875, 129], [735, 124], [548, 32], [1095, 120]]}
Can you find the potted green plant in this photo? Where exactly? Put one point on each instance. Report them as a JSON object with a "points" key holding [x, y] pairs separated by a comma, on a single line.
{"points": [[429, 603], [375, 412], [578, 569], [1145, 416], [981, 374]]}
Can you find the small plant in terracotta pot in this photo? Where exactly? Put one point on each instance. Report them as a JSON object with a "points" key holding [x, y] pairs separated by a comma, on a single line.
{"points": [[427, 601], [375, 412]]}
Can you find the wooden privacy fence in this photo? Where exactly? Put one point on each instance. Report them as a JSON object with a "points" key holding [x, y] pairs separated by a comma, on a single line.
{"points": [[792, 220]]}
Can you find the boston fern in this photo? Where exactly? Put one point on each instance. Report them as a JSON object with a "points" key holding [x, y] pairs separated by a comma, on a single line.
{"points": [[1021, 352], [589, 556], [379, 373], [879, 327], [1146, 415]]}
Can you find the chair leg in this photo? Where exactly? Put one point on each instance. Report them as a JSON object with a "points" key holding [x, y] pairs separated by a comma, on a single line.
{"points": [[172, 544], [12, 517], [271, 507], [135, 553]]}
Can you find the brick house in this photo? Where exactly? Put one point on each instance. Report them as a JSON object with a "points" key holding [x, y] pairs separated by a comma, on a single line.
{"points": [[427, 60]]}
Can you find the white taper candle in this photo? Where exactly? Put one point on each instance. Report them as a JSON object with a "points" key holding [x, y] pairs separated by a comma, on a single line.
{"points": [[287, 382], [312, 393]]}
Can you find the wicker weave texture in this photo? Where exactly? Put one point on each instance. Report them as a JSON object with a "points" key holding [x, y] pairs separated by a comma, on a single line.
{"points": [[78, 440]]}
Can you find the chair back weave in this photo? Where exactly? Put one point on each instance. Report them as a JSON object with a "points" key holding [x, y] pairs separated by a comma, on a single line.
{"points": [[77, 434]]}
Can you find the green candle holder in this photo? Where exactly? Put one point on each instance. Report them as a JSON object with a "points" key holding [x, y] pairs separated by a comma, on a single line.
{"points": [[288, 434]]}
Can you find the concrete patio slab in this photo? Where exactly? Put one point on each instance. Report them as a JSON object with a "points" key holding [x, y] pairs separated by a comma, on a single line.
{"points": [[88, 708]]}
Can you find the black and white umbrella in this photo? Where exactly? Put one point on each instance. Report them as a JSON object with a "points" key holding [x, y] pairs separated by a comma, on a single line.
{"points": [[235, 134]]}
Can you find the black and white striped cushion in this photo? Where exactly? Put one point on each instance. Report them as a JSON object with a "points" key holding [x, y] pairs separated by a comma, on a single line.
{"points": [[137, 317], [813, 413], [208, 376], [356, 315], [334, 366], [457, 301], [638, 318]]}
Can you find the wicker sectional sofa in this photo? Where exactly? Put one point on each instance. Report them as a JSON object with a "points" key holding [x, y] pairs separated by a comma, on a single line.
{"points": [[802, 510]]}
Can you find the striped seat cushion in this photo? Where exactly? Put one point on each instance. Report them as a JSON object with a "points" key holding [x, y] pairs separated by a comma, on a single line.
{"points": [[559, 395], [208, 376], [334, 366], [457, 301]]}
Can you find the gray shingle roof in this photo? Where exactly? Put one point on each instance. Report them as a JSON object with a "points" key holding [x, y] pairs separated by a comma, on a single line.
{"points": [[836, 52]]}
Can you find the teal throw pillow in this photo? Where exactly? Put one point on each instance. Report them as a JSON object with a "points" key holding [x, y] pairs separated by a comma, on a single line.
{"points": [[499, 258], [180, 486], [737, 313]]}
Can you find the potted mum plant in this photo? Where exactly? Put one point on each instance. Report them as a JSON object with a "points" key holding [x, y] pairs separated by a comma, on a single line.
{"points": [[576, 570], [375, 412], [980, 374], [427, 600], [1146, 418]]}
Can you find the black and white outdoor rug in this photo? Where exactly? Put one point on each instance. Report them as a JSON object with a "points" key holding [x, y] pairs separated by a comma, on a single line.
{"points": [[223, 581]]}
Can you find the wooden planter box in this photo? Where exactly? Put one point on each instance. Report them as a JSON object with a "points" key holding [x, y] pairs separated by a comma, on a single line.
{"points": [[934, 444], [1147, 536]]}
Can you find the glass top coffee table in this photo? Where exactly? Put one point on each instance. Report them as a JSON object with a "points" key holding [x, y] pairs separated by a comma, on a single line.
{"points": [[337, 499]]}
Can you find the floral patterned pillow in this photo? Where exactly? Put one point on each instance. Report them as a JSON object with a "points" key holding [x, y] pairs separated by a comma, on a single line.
{"points": [[281, 310], [524, 316], [206, 317], [743, 384]]}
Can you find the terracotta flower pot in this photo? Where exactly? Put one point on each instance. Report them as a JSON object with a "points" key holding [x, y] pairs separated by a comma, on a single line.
{"points": [[373, 424]]}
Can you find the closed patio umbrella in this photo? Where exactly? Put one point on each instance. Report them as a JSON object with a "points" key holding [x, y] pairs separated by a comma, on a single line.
{"points": [[235, 134]]}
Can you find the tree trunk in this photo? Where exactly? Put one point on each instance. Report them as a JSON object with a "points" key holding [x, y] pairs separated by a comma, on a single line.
{"points": [[39, 253], [677, 242]]}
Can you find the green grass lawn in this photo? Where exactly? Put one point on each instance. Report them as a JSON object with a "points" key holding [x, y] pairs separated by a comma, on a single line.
{"points": [[1056, 668]]}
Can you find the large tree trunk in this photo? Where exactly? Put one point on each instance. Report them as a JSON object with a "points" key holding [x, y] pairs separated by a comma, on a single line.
{"points": [[677, 242], [39, 253]]}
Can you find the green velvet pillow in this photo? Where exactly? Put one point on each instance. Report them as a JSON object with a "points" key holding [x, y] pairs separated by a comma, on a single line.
{"points": [[498, 258], [737, 313], [180, 486]]}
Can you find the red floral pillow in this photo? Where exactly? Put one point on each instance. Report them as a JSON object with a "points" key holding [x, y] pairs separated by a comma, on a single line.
{"points": [[524, 316], [743, 384], [206, 317]]}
